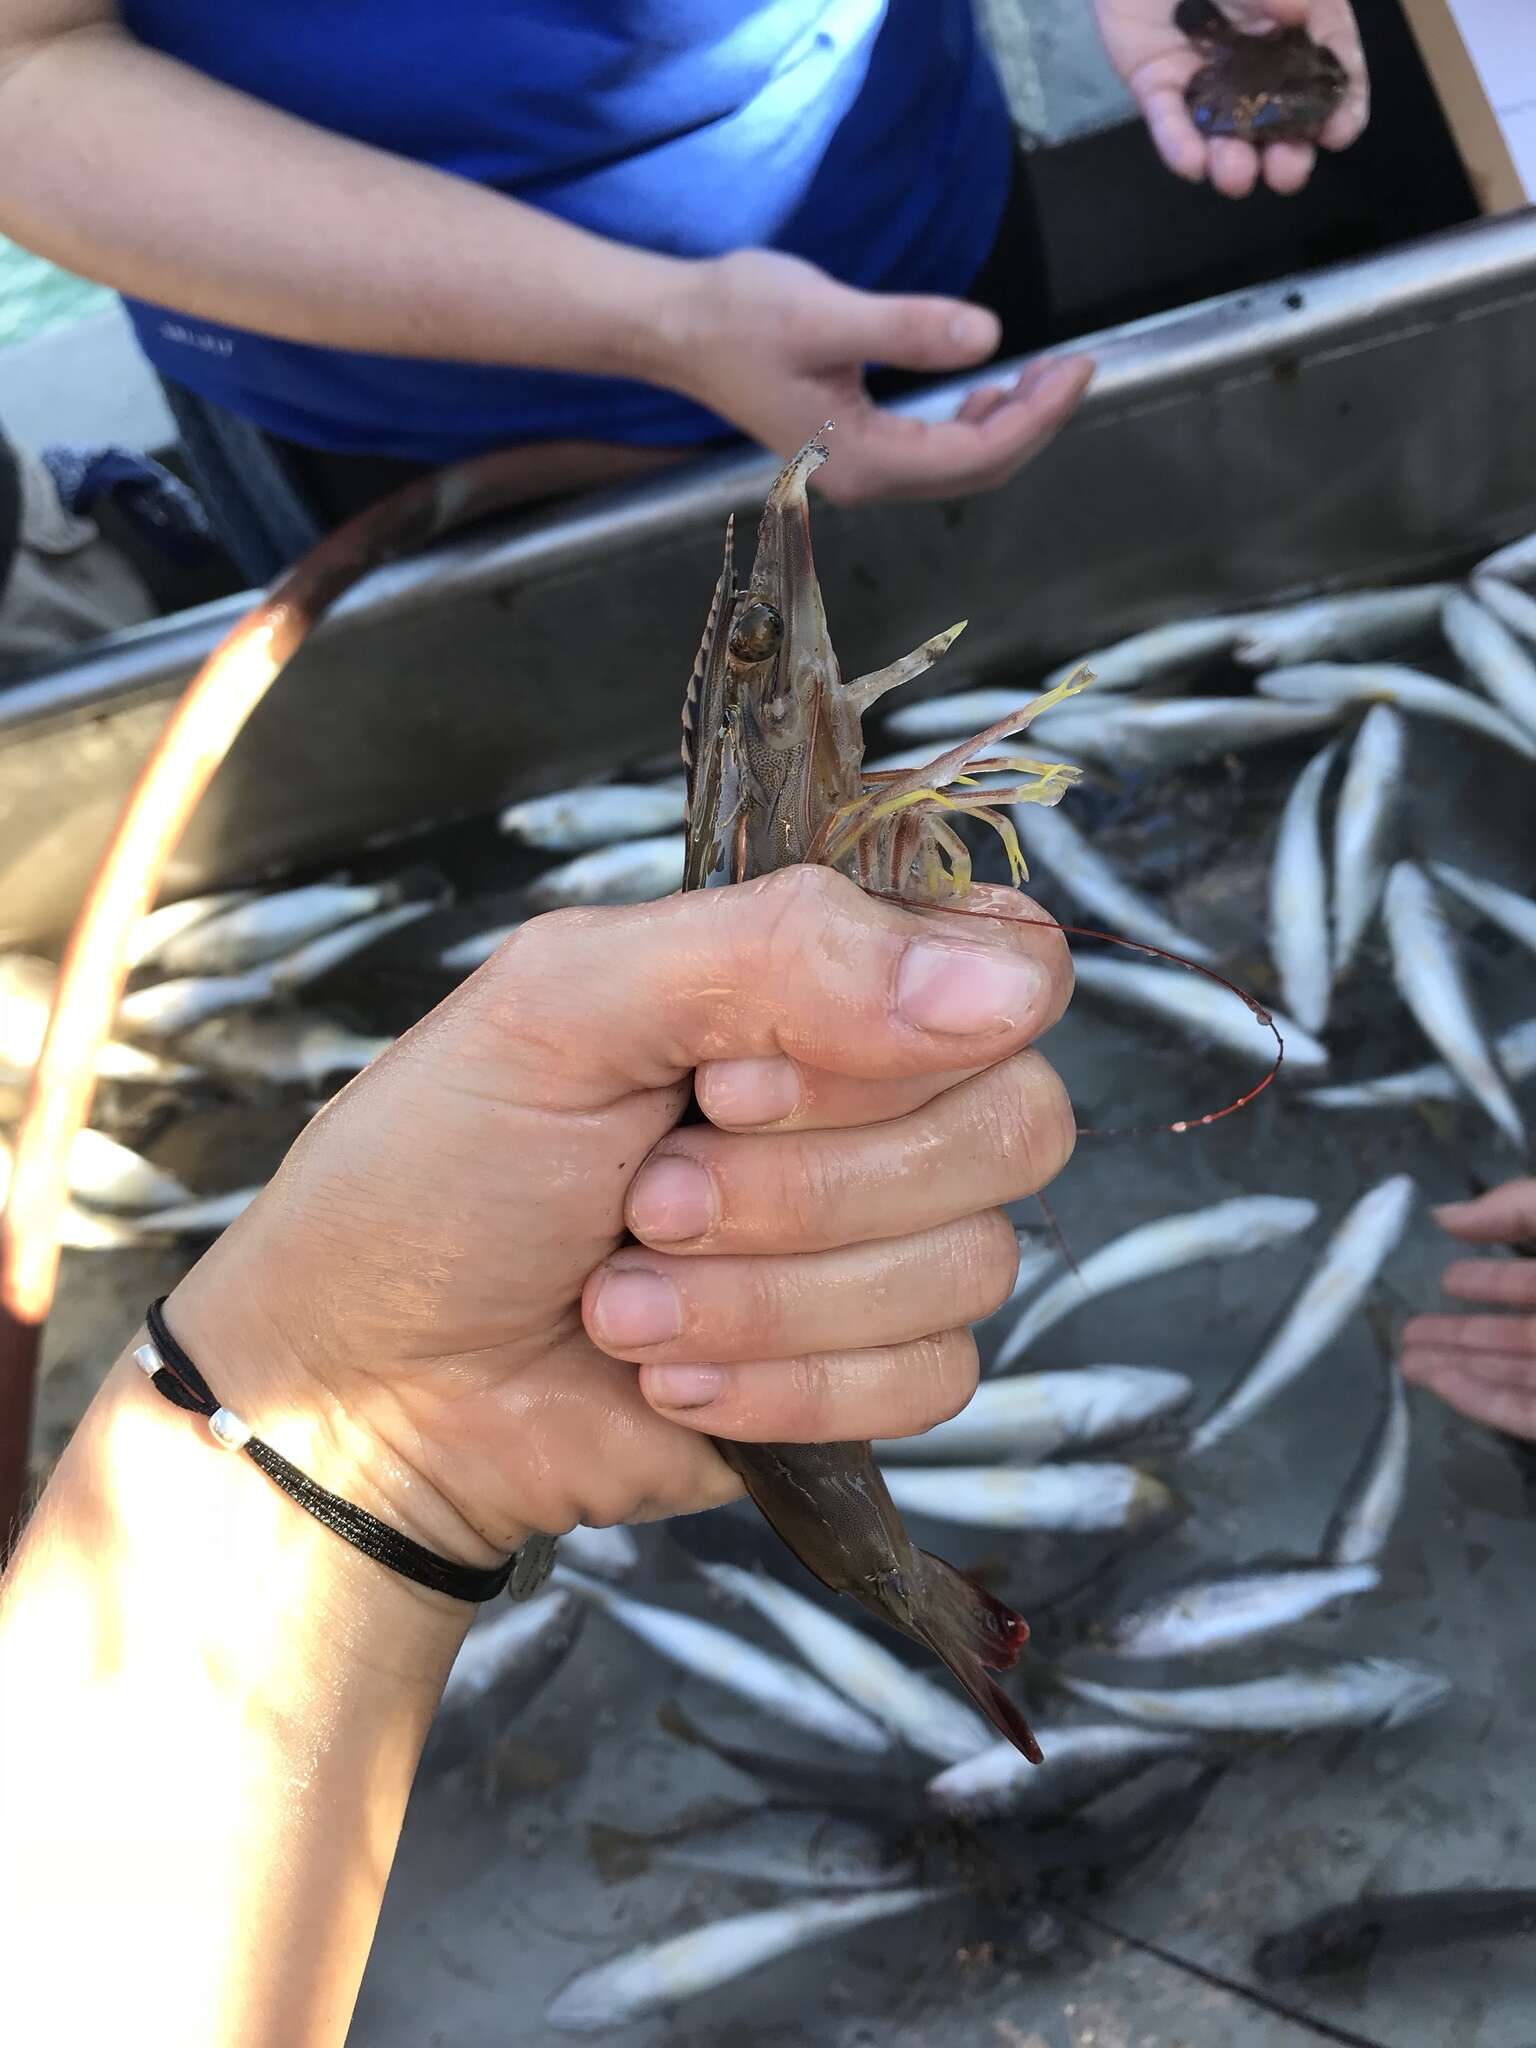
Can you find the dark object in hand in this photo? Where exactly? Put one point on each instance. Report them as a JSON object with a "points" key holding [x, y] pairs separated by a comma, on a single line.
{"points": [[1280, 87]]}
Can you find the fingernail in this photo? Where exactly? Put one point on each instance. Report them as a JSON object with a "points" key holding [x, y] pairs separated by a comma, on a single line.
{"points": [[758, 1091], [1444, 1209], [682, 1386], [670, 1199], [962, 992], [636, 1308], [974, 328]]}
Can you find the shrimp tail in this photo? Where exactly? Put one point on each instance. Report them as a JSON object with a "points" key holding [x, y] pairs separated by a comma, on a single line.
{"points": [[971, 1633], [829, 1505]]}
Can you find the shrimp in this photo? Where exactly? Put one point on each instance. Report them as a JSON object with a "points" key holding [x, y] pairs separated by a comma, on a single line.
{"points": [[773, 746]]}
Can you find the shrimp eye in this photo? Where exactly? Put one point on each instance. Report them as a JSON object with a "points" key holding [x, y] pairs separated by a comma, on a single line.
{"points": [[758, 632]]}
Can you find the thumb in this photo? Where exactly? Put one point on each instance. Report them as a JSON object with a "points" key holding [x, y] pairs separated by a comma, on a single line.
{"points": [[906, 331], [1505, 1215], [582, 1008]]}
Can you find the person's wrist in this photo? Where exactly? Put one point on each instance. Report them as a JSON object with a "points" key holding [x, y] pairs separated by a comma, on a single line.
{"points": [[347, 1431], [671, 322]]}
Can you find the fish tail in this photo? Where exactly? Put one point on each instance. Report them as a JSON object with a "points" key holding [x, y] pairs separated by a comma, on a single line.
{"points": [[972, 1633]]}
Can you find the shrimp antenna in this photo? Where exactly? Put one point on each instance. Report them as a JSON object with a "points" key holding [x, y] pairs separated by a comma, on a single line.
{"points": [[1182, 1125]]}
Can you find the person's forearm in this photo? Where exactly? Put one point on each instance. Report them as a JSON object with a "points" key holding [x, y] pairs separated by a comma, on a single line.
{"points": [[129, 167], [210, 1713]]}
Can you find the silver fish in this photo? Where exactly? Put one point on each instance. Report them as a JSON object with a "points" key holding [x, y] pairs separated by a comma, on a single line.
{"points": [[119, 1062], [1492, 656], [26, 998], [1035, 1414], [251, 933], [1049, 1498], [790, 1846], [106, 1175], [166, 1009], [1371, 1692], [1049, 835], [1515, 1050], [1160, 651], [320, 956], [1327, 1298], [1368, 1508], [1515, 561], [961, 712], [1213, 1612], [1501, 906], [201, 1216], [502, 1663], [665, 1973], [500, 1643], [164, 924], [1362, 825], [1298, 898], [1517, 608], [1247, 1223], [924, 1716], [572, 820], [1430, 980], [768, 1683], [1341, 683], [1204, 1007], [465, 955], [636, 872], [1172, 732], [1080, 1763], [1343, 628], [282, 1048], [96, 1230], [611, 1553]]}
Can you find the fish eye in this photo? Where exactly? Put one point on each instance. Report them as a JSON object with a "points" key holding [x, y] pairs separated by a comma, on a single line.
{"points": [[758, 632]]}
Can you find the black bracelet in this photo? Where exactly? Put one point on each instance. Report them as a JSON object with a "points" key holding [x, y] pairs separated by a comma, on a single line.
{"points": [[171, 1373]]}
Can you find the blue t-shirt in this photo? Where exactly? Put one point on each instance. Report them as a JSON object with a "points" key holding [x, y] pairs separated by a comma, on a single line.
{"points": [[869, 136]]}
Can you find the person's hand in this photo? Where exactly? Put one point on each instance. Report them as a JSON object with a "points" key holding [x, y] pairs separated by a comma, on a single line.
{"points": [[440, 1273], [1157, 62], [1485, 1365], [779, 348]]}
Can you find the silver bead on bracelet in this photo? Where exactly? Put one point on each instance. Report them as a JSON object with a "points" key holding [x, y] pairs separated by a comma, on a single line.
{"points": [[229, 1430]]}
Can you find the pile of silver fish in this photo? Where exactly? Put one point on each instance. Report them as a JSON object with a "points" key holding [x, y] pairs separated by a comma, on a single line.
{"points": [[215, 1000], [1311, 665]]}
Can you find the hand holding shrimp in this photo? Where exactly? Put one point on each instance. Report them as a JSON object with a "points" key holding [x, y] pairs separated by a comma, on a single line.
{"points": [[425, 1258]]}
